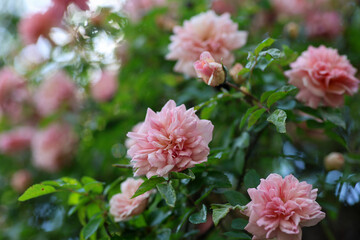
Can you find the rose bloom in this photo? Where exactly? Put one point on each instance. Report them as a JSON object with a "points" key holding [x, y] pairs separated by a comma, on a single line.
{"points": [[104, 88], [223, 6], [291, 7], [55, 92], [16, 140], [13, 94], [122, 207], [211, 72], [53, 147], [129, 142], [279, 207], [218, 35], [136, 9], [171, 140], [21, 180], [40, 24], [323, 25], [323, 76]]}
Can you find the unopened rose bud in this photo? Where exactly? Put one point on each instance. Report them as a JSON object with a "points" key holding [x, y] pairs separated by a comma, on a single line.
{"points": [[234, 73], [292, 29], [334, 161], [211, 72], [21, 180]]}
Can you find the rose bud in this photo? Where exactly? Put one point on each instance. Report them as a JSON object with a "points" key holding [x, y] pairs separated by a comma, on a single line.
{"points": [[292, 29], [334, 161], [211, 72], [234, 73], [21, 180]]}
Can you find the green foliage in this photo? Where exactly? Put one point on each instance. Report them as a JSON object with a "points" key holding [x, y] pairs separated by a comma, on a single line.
{"points": [[148, 185], [35, 191]]}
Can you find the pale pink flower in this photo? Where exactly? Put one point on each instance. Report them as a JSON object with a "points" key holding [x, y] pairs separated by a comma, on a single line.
{"points": [[21, 180], [54, 93], [40, 24], [223, 6], [218, 35], [171, 140], [122, 207], [211, 72], [323, 25], [13, 94], [280, 207], [136, 9], [234, 73], [130, 141], [104, 88], [16, 140], [323, 76], [82, 4], [291, 7], [53, 147]]}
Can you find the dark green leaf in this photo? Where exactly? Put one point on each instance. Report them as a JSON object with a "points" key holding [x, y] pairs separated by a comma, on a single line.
{"points": [[278, 118], [237, 235], [168, 193], [235, 198], [92, 226], [219, 212], [254, 117], [164, 234], [334, 117], [36, 190], [200, 217], [265, 95], [147, 185], [188, 174], [239, 223], [251, 179], [246, 115], [218, 180]]}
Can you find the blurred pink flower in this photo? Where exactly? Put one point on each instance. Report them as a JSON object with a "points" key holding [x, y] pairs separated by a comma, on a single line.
{"points": [[122, 207], [211, 72], [130, 141], [21, 180], [13, 94], [280, 207], [323, 24], [223, 6], [291, 7], [136, 9], [82, 4], [40, 24], [171, 140], [218, 35], [53, 147], [55, 92], [323, 76], [103, 89], [16, 140]]}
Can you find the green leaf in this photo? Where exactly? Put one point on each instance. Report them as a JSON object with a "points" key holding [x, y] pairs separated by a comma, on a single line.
{"points": [[251, 179], [255, 116], [273, 98], [148, 184], [237, 235], [243, 141], [218, 180], [235, 198], [36, 190], [208, 110], [239, 223], [199, 217], [168, 193], [92, 185], [265, 95], [265, 43], [278, 118], [164, 234], [334, 118], [92, 226], [188, 174], [246, 115], [219, 212]]}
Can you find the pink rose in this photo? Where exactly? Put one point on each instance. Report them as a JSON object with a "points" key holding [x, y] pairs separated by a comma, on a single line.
{"points": [[21, 180], [53, 147], [104, 88], [234, 73], [40, 24], [54, 93], [224, 6], [122, 207], [323, 24], [16, 140], [171, 140], [323, 76], [13, 94], [136, 9], [211, 72], [291, 7], [280, 207], [218, 35], [129, 142]]}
